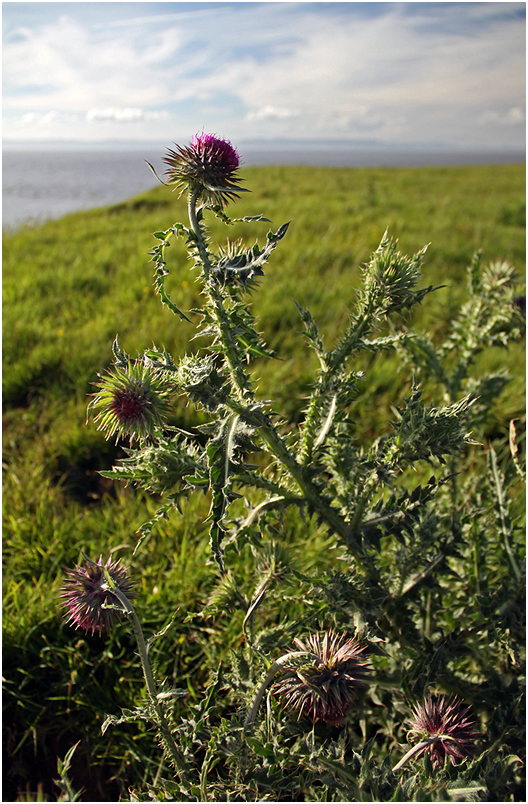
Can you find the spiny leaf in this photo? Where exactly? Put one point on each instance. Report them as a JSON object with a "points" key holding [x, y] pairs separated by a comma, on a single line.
{"points": [[244, 265]]}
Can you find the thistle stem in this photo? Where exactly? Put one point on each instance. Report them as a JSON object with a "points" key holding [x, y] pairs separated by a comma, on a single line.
{"points": [[502, 514], [420, 747], [241, 385], [198, 232], [414, 750], [332, 363], [311, 494], [238, 376], [266, 681], [162, 723]]}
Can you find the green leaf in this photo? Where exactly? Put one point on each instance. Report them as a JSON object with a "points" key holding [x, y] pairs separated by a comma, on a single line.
{"points": [[156, 175], [244, 265], [259, 748]]}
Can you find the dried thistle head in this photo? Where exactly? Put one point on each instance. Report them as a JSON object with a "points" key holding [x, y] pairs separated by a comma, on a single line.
{"points": [[324, 686], [85, 593], [132, 401], [206, 167], [448, 720]]}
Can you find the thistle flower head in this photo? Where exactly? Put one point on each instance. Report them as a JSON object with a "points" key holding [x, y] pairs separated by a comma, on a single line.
{"points": [[85, 593], [323, 687], [132, 401], [206, 167], [447, 719]]}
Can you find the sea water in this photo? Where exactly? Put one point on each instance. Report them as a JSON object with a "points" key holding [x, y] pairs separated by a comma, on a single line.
{"points": [[39, 185]]}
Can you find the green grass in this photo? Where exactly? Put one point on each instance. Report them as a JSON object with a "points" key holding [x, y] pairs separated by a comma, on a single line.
{"points": [[69, 286]]}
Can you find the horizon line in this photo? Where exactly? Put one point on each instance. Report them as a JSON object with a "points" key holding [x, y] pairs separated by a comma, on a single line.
{"points": [[271, 144]]}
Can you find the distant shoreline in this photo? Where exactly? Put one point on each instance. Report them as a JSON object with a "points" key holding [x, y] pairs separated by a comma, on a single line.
{"points": [[47, 184], [359, 157], [337, 153]]}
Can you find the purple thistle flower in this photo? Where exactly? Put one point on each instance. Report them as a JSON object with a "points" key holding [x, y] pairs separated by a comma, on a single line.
{"points": [[133, 401], [323, 687], [206, 167], [85, 592], [449, 721]]}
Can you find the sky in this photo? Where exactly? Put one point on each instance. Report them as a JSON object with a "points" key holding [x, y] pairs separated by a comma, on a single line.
{"points": [[399, 74]]}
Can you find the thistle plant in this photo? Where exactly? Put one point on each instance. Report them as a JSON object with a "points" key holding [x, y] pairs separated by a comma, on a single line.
{"points": [[398, 531], [94, 595], [206, 168], [324, 689], [89, 594], [445, 730], [133, 400]]}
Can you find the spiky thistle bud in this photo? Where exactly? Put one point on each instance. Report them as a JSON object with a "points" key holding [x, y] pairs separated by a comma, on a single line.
{"points": [[132, 401], [324, 687], [87, 596], [207, 167], [448, 722]]}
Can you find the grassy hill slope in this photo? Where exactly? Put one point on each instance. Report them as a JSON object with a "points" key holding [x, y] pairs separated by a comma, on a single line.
{"points": [[70, 286]]}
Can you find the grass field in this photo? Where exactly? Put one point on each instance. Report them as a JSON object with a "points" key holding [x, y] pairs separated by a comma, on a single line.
{"points": [[70, 286]]}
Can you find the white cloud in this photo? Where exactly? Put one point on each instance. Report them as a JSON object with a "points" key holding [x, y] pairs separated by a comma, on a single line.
{"points": [[66, 65], [124, 115], [511, 117], [50, 118], [274, 112], [380, 75], [391, 71]]}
